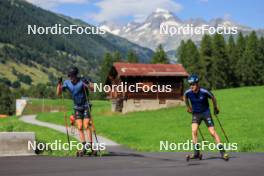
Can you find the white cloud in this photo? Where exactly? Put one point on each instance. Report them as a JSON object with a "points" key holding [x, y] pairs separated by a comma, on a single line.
{"points": [[49, 4], [112, 10]]}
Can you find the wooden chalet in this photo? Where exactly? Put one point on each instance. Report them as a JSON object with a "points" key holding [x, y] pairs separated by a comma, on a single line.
{"points": [[147, 74]]}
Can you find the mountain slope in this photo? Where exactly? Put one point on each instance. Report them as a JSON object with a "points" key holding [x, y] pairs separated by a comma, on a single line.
{"points": [[47, 52], [147, 33]]}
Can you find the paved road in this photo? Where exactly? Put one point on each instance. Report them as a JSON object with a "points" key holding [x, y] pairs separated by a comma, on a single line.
{"points": [[133, 164], [130, 163]]}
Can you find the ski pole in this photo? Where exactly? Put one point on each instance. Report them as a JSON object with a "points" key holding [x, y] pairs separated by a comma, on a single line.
{"points": [[201, 134], [65, 118], [93, 127], [94, 131], [222, 128], [95, 134]]}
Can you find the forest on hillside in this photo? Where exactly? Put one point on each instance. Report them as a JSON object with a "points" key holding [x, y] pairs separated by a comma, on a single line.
{"points": [[225, 63]]}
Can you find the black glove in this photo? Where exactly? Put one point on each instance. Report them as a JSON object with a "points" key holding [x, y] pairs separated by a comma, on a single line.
{"points": [[86, 80], [90, 106], [216, 111], [60, 80]]}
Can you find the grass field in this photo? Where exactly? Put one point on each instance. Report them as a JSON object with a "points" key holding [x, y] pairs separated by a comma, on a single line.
{"points": [[43, 135], [241, 113], [36, 73]]}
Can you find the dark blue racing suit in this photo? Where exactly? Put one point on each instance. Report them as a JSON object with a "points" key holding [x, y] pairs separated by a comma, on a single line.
{"points": [[200, 106], [79, 93]]}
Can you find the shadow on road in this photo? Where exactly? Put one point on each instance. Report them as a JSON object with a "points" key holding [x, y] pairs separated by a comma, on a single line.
{"points": [[125, 154], [217, 157]]}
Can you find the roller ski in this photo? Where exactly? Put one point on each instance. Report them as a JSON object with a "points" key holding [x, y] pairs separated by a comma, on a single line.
{"points": [[224, 156], [83, 152], [223, 153], [80, 153], [92, 153], [86, 152], [194, 157]]}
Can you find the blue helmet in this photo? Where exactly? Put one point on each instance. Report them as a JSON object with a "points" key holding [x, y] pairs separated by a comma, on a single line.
{"points": [[193, 78], [73, 71]]}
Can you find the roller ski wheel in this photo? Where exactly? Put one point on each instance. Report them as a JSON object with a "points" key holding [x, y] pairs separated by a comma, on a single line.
{"points": [[192, 157], [93, 153], [225, 157], [80, 153]]}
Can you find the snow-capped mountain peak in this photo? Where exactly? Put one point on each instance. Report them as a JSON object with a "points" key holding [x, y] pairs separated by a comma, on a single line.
{"points": [[160, 10], [228, 23], [161, 15], [110, 27], [147, 33]]}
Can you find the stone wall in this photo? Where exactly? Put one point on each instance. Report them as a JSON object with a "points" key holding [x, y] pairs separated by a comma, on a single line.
{"points": [[16, 143], [131, 105]]}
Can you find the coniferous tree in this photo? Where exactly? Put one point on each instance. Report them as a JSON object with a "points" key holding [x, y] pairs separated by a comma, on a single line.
{"points": [[106, 66], [240, 48], [132, 57], [160, 56], [181, 53], [219, 66], [116, 56], [249, 61], [232, 59], [193, 58], [223, 64], [206, 60], [7, 104], [260, 63], [189, 56]]}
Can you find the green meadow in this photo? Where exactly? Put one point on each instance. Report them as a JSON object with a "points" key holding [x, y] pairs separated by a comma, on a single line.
{"points": [[241, 114], [43, 134]]}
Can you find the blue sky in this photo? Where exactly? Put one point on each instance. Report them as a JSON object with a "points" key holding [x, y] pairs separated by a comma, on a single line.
{"points": [[246, 12]]}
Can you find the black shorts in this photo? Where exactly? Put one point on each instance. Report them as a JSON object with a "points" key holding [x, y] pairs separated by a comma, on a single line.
{"points": [[82, 114], [205, 116]]}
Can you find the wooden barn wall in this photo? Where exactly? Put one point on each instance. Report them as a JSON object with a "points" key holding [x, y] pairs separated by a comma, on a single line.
{"points": [[175, 82]]}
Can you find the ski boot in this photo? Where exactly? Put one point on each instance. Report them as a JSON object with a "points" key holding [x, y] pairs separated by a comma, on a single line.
{"points": [[89, 150], [93, 153], [81, 153], [193, 156], [196, 155], [223, 154]]}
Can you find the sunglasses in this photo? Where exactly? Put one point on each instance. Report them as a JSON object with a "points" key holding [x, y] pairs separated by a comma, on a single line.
{"points": [[192, 84]]}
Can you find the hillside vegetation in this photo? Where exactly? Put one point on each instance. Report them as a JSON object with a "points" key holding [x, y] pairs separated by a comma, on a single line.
{"points": [[51, 54]]}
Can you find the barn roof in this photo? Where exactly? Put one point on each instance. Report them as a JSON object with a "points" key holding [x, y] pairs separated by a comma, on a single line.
{"points": [[135, 69]]}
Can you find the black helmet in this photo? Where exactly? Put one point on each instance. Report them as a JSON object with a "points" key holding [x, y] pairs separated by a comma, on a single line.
{"points": [[193, 78], [73, 71]]}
